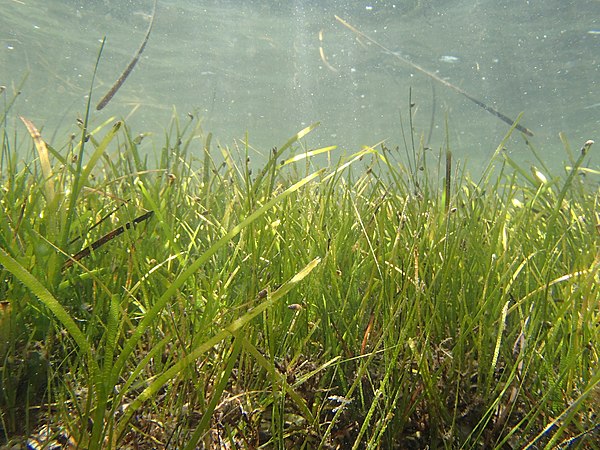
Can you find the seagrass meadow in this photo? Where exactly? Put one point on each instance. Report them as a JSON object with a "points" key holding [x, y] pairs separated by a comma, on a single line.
{"points": [[387, 300]]}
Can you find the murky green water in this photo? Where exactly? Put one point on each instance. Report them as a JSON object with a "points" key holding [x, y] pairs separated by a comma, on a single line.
{"points": [[255, 67]]}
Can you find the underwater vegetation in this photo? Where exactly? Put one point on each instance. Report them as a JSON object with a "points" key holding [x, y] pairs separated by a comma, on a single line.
{"points": [[387, 300]]}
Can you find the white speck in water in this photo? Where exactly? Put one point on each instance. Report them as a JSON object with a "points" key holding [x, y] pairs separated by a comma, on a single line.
{"points": [[449, 59], [369, 8], [10, 47], [36, 27], [595, 32]]}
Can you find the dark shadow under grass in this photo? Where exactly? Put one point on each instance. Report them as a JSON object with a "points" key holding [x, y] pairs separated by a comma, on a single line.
{"points": [[363, 305]]}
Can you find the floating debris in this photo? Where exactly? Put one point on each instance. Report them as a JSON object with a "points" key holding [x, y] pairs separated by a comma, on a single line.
{"points": [[435, 77], [322, 54], [449, 59], [113, 90]]}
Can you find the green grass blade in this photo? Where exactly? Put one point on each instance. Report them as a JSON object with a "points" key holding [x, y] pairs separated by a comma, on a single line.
{"points": [[47, 299], [151, 315], [216, 394], [230, 330]]}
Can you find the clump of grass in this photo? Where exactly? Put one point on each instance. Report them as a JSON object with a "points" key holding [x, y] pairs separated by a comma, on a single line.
{"points": [[294, 306]]}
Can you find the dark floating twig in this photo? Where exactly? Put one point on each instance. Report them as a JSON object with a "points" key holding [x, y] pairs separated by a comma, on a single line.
{"points": [[113, 90], [104, 239], [98, 223], [433, 76]]}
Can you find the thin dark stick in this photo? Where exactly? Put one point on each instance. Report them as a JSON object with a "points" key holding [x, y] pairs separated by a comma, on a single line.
{"points": [[104, 239], [102, 219], [113, 90], [433, 76]]}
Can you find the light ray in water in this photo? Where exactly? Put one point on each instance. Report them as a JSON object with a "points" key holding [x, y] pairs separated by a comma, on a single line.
{"points": [[433, 76], [113, 90]]}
